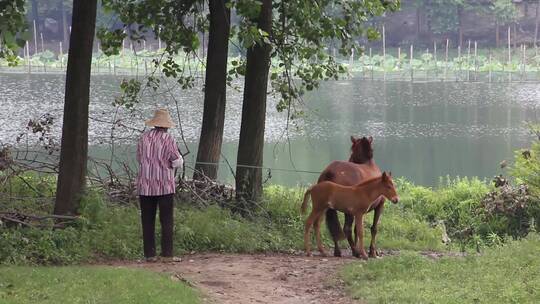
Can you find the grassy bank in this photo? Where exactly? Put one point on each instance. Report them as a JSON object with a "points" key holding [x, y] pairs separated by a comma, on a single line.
{"points": [[90, 285], [503, 274], [109, 231]]}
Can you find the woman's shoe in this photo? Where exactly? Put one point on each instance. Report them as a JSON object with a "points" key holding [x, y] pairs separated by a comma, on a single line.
{"points": [[170, 259], [151, 259]]}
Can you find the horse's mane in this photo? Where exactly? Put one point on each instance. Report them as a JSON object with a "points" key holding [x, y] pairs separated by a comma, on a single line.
{"points": [[361, 151]]}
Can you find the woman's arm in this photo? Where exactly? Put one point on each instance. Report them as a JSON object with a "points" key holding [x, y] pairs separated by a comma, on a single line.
{"points": [[175, 157]]}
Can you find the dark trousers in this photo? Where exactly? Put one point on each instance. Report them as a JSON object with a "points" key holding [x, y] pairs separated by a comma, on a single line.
{"points": [[149, 205]]}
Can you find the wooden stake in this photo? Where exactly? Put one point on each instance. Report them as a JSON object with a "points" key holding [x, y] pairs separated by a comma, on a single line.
{"points": [[399, 56], [384, 42], [42, 44], [61, 55], [490, 59], [435, 50], [35, 38], [475, 59], [411, 61], [446, 58]]}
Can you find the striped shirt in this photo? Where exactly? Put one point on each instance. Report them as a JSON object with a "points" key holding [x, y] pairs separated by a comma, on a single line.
{"points": [[156, 152]]}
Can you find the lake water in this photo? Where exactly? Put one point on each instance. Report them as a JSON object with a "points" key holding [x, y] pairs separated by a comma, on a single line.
{"points": [[421, 131]]}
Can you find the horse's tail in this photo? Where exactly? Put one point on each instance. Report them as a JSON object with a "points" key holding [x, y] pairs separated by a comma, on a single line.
{"points": [[305, 201]]}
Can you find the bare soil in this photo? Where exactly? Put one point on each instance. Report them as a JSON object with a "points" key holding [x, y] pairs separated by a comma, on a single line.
{"points": [[260, 278]]}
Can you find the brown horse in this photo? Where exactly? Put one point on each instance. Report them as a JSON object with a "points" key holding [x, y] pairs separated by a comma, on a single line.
{"points": [[359, 168], [356, 200]]}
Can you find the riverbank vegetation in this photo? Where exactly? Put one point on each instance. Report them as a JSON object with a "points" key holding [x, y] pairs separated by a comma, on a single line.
{"points": [[459, 215], [142, 62]]}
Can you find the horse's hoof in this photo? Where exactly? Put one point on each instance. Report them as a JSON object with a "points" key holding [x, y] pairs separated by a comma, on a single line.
{"points": [[324, 254], [308, 254], [356, 254], [337, 253]]}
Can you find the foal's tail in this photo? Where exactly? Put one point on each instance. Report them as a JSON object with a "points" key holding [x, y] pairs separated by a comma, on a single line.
{"points": [[305, 202]]}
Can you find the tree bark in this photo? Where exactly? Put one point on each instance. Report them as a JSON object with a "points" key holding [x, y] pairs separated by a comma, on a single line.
{"points": [[214, 91], [460, 26], [418, 24], [35, 14], [497, 34], [515, 34], [537, 19], [74, 149], [250, 147], [64, 24]]}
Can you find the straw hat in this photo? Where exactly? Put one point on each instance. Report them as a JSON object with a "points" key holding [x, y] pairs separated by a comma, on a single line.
{"points": [[161, 119]]}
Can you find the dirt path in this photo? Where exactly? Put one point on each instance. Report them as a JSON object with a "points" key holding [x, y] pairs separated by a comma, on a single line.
{"points": [[239, 279]]}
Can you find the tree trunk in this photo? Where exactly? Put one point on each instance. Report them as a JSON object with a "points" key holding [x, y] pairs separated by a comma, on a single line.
{"points": [[497, 34], [250, 147], [537, 19], [515, 34], [64, 24], [35, 14], [214, 91], [417, 24], [460, 26], [74, 149]]}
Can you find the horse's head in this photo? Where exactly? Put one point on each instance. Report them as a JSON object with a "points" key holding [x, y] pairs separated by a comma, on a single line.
{"points": [[361, 149], [389, 190]]}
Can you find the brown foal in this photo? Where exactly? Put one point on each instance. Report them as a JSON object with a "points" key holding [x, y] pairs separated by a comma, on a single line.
{"points": [[354, 200]]}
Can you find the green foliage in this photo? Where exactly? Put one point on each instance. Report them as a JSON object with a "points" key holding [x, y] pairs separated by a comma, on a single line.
{"points": [[130, 90], [443, 15], [457, 204], [108, 231], [504, 274], [300, 32], [13, 29], [169, 21], [525, 171], [505, 11], [48, 285]]}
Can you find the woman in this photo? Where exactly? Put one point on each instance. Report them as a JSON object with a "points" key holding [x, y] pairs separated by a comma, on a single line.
{"points": [[157, 155]]}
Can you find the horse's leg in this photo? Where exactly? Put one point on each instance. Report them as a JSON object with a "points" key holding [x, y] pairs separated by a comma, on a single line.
{"points": [[347, 229], [332, 223], [309, 222], [359, 220], [377, 214], [318, 234]]}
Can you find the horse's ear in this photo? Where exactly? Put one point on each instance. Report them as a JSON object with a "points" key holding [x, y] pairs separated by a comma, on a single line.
{"points": [[384, 176], [353, 139], [390, 173], [370, 139]]}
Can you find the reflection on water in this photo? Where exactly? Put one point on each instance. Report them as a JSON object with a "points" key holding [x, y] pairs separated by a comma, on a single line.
{"points": [[422, 131]]}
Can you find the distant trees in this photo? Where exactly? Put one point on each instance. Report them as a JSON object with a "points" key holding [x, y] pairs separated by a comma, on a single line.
{"points": [[504, 12]]}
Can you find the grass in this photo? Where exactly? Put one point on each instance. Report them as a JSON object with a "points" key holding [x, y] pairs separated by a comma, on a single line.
{"points": [[108, 231], [505, 274], [90, 285]]}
